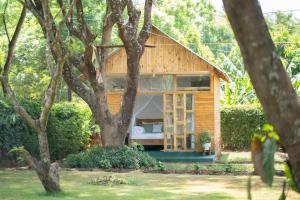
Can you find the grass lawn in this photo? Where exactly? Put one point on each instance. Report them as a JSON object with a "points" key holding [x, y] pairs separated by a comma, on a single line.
{"points": [[237, 161], [24, 185]]}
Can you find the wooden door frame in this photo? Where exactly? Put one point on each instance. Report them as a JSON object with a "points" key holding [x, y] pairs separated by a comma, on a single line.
{"points": [[174, 120]]}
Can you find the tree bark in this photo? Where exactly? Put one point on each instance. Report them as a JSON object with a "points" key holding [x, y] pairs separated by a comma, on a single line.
{"points": [[47, 172], [69, 94], [114, 127], [268, 76]]}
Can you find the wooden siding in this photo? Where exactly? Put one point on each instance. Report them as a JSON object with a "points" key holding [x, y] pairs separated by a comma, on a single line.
{"points": [[204, 114], [217, 114], [114, 102], [168, 57]]}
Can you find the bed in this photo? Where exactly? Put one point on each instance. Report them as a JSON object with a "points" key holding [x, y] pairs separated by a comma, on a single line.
{"points": [[148, 132]]}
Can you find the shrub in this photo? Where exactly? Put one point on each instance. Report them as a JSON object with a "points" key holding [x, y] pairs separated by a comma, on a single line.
{"points": [[127, 157], [68, 129], [239, 124], [14, 132]]}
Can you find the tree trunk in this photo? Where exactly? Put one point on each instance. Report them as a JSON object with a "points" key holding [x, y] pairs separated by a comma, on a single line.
{"points": [[69, 94], [47, 172], [112, 136], [268, 76], [49, 177]]}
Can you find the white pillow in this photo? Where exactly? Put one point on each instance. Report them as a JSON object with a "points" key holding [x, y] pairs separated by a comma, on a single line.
{"points": [[157, 128], [137, 130]]}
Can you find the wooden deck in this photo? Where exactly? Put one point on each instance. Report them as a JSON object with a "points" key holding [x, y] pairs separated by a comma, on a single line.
{"points": [[181, 156]]}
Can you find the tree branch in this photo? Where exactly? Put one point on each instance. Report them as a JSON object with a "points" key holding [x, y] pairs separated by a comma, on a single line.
{"points": [[17, 107], [4, 21], [12, 43], [51, 93], [145, 32]]}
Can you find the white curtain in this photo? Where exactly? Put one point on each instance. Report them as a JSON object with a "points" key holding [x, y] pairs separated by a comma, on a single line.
{"points": [[147, 107]]}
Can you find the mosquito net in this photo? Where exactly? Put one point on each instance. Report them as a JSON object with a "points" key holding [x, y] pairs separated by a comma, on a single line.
{"points": [[147, 107]]}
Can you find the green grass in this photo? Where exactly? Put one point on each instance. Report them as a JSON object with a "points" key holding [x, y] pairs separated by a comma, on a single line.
{"points": [[236, 161], [24, 185], [241, 157]]}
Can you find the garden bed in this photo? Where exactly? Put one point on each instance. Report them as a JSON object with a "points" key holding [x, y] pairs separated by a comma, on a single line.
{"points": [[208, 172]]}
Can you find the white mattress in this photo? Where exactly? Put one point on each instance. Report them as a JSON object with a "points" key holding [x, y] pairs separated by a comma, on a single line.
{"points": [[145, 136]]}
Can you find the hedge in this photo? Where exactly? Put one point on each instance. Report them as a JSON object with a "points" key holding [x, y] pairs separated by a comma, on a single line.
{"points": [[69, 129], [239, 124]]}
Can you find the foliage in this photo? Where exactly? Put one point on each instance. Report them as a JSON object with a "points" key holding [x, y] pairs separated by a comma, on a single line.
{"points": [[263, 153], [204, 137], [161, 166], [128, 157], [68, 128], [289, 176], [239, 124], [14, 132]]}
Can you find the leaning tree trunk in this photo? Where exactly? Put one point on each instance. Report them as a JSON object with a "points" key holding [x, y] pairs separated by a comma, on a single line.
{"points": [[47, 172], [268, 76]]}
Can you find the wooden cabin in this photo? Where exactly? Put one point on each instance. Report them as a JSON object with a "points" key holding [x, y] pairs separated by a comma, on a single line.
{"points": [[178, 95]]}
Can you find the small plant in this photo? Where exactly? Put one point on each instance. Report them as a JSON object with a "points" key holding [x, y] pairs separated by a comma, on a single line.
{"points": [[108, 181], [205, 137], [197, 167], [161, 166], [228, 168]]}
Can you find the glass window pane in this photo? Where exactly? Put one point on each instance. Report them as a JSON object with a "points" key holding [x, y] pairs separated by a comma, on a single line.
{"points": [[179, 100], [115, 83], [189, 102], [179, 115], [158, 83], [169, 102], [200, 82], [179, 129], [180, 143], [169, 119], [190, 122]]}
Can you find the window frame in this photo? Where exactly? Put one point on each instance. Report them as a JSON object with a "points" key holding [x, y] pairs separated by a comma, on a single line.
{"points": [[194, 88]]}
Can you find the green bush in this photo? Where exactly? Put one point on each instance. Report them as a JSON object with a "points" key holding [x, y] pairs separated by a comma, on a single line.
{"points": [[239, 124], [68, 129], [14, 132], [126, 157]]}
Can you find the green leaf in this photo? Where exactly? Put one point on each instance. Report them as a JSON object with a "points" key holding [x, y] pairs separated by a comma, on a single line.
{"points": [[269, 148], [268, 128], [289, 177]]}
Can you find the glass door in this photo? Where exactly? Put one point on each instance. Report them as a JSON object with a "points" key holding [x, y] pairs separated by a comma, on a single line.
{"points": [[168, 122], [178, 121]]}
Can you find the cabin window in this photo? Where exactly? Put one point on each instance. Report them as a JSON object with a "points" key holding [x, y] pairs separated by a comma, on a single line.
{"points": [[115, 83], [193, 82], [158, 83]]}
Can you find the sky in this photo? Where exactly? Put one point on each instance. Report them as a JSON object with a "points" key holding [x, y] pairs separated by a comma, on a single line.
{"points": [[271, 5]]}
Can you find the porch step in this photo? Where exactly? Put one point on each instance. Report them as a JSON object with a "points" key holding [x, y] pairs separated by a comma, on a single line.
{"points": [[181, 156]]}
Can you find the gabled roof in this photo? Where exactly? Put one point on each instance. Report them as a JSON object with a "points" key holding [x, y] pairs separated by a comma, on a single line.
{"points": [[217, 70]]}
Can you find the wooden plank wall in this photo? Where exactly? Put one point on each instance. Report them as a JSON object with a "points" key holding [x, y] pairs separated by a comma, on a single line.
{"points": [[114, 102], [168, 57], [204, 114], [217, 114]]}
